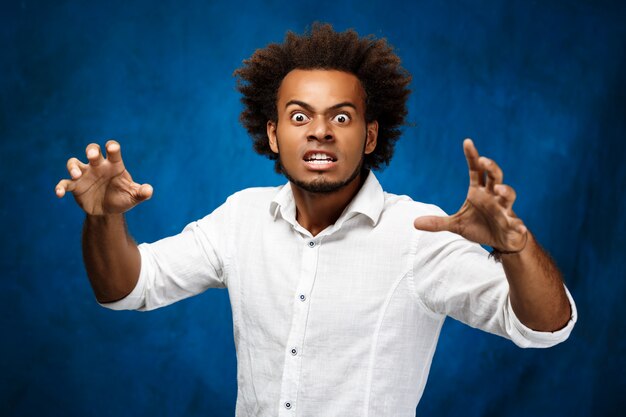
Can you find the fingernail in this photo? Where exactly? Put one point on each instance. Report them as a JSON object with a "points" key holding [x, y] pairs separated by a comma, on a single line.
{"points": [[75, 172], [92, 153]]}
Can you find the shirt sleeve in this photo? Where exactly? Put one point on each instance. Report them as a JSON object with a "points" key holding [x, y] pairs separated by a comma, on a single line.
{"points": [[453, 276], [180, 266]]}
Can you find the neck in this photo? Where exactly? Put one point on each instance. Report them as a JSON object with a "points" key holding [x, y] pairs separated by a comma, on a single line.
{"points": [[316, 211]]}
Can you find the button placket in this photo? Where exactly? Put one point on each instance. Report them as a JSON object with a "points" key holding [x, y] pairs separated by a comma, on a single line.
{"points": [[293, 359]]}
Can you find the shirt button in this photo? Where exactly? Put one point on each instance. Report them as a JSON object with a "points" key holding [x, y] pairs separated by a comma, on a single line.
{"points": [[287, 405], [302, 297], [311, 244], [294, 351]]}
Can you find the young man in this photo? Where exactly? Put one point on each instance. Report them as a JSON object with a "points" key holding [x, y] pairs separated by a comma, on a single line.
{"points": [[338, 289]]}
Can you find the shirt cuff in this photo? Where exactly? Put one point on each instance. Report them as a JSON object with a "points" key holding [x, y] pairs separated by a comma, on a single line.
{"points": [[525, 337], [134, 300]]}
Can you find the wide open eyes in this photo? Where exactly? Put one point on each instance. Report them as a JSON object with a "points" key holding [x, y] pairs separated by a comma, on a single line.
{"points": [[341, 119], [299, 117]]}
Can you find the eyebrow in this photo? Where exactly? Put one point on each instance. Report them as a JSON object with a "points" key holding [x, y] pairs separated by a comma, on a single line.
{"points": [[310, 108]]}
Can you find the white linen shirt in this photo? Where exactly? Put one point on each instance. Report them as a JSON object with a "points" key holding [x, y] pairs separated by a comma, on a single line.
{"points": [[344, 323]]}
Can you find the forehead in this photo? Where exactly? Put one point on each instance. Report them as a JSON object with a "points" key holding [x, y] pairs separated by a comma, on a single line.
{"points": [[321, 88]]}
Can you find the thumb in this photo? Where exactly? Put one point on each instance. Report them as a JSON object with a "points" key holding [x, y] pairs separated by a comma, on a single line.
{"points": [[144, 192], [433, 223]]}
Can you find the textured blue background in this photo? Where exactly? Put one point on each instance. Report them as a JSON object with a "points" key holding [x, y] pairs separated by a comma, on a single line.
{"points": [[540, 86]]}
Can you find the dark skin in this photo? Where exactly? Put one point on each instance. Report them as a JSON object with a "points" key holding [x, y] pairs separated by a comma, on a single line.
{"points": [[321, 111], [104, 189], [321, 136], [535, 283]]}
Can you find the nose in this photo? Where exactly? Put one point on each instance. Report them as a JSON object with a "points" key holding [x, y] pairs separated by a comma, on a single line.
{"points": [[320, 130]]}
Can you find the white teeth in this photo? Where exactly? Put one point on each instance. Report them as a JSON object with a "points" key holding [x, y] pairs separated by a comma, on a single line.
{"points": [[319, 158]]}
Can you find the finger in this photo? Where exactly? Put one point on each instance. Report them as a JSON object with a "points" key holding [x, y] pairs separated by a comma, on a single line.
{"points": [[493, 171], [64, 186], [75, 167], [519, 240], [471, 155], [94, 154], [114, 151], [522, 228], [144, 192], [433, 223], [518, 225], [506, 195]]}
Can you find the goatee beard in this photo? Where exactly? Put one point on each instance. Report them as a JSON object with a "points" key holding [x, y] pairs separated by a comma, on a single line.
{"points": [[321, 185]]}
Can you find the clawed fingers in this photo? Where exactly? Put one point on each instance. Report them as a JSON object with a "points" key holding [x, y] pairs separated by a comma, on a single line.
{"points": [[519, 226], [471, 155], [144, 192], [482, 171], [75, 167], [94, 154], [487, 215], [506, 195], [493, 172], [63, 187], [434, 223], [114, 151]]}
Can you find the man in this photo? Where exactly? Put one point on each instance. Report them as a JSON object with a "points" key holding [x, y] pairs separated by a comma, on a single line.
{"points": [[338, 290]]}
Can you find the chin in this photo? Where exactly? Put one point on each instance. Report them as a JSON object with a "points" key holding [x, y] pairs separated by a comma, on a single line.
{"points": [[321, 184]]}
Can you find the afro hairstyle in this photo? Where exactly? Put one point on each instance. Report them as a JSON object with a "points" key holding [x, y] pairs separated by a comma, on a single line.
{"points": [[371, 60]]}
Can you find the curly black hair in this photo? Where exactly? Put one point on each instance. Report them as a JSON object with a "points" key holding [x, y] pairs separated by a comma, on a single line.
{"points": [[372, 60]]}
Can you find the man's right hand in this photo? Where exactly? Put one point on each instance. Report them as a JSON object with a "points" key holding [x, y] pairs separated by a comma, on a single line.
{"points": [[103, 186]]}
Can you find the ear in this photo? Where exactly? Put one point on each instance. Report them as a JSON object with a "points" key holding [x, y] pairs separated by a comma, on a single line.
{"points": [[372, 137], [271, 135]]}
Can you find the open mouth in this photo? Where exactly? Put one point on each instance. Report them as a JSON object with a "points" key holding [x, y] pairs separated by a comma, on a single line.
{"points": [[319, 158]]}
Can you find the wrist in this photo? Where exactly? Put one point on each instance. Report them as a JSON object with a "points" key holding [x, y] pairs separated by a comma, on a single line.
{"points": [[103, 216], [498, 254]]}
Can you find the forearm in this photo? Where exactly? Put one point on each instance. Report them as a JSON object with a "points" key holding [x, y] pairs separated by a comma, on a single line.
{"points": [[536, 288], [111, 257]]}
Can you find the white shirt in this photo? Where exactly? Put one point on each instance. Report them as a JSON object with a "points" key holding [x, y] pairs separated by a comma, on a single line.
{"points": [[341, 324]]}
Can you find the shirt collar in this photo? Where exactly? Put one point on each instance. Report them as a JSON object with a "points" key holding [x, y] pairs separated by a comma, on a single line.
{"points": [[369, 201]]}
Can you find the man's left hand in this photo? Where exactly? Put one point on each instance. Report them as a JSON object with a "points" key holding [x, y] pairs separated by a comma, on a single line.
{"points": [[487, 215]]}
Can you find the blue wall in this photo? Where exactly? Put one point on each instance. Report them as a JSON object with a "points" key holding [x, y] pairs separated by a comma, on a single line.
{"points": [[540, 86]]}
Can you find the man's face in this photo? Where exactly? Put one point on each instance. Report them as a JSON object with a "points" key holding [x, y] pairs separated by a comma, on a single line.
{"points": [[321, 135]]}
